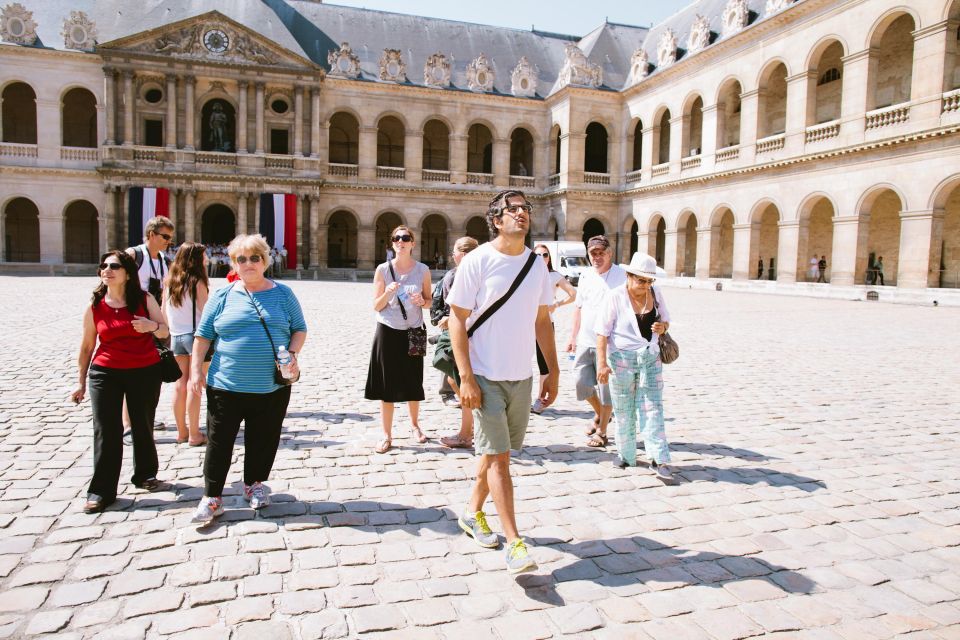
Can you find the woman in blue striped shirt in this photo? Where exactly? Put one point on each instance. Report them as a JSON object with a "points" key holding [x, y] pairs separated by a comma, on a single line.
{"points": [[240, 381]]}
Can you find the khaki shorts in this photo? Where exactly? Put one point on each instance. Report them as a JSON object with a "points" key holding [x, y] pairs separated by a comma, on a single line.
{"points": [[501, 421], [585, 372]]}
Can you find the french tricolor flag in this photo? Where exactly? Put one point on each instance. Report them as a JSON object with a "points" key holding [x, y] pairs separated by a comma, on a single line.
{"points": [[278, 222], [145, 203]]}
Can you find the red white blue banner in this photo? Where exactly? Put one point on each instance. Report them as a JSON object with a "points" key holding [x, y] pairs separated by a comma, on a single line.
{"points": [[145, 203], [278, 222]]}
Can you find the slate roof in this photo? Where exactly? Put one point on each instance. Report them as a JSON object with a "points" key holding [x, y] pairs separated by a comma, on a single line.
{"points": [[311, 29]]}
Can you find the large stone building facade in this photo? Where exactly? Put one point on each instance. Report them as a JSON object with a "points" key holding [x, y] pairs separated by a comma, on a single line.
{"points": [[734, 133]]}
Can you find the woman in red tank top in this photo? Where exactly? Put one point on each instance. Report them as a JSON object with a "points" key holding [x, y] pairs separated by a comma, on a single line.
{"points": [[125, 365]]}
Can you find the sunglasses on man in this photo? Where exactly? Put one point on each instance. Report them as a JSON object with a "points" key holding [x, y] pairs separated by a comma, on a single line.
{"points": [[165, 236], [254, 259], [402, 238]]}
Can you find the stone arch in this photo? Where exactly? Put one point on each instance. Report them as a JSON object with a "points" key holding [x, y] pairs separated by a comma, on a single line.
{"points": [[879, 210], [890, 74], [480, 148], [631, 231], [21, 230], [476, 227], [946, 237], [18, 122], [391, 114], [692, 125], [342, 227], [521, 152], [81, 233], [721, 242], [815, 235], [765, 220], [686, 244], [343, 145], [596, 149], [636, 132], [772, 104], [657, 238], [218, 223], [78, 118], [826, 62], [661, 136], [391, 141], [728, 112], [593, 227], [436, 145], [385, 222], [951, 75], [210, 140], [553, 229], [434, 228]]}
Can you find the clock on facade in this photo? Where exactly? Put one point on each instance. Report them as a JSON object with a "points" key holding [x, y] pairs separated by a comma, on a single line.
{"points": [[216, 41]]}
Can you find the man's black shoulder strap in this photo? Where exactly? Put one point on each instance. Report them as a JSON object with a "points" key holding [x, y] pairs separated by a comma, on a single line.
{"points": [[492, 309], [138, 255]]}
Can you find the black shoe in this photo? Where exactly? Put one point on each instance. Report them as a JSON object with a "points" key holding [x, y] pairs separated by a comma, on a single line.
{"points": [[158, 426], [152, 485], [620, 464], [96, 504]]}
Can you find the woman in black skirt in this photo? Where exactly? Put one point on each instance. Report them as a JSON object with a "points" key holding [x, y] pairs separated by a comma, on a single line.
{"points": [[401, 289]]}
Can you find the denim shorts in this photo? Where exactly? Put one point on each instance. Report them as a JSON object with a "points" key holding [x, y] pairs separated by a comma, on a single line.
{"points": [[182, 345]]}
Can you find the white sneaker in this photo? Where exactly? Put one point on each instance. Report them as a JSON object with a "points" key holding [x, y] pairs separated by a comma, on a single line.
{"points": [[208, 509], [537, 407], [256, 495]]}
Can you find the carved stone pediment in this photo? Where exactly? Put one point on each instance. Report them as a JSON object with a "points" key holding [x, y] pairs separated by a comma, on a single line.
{"points": [[734, 17], [639, 66], [578, 70], [17, 25], [392, 66], [79, 32], [667, 49], [773, 6], [436, 71], [699, 34], [480, 74], [523, 79], [343, 62]]}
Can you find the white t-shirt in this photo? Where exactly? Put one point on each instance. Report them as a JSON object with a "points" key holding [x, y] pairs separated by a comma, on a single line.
{"points": [[503, 347], [591, 294], [555, 278]]}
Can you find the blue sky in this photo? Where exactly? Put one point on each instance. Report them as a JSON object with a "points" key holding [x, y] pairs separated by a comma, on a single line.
{"points": [[560, 16]]}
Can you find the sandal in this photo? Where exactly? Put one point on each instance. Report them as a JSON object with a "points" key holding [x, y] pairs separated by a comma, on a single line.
{"points": [[597, 440], [418, 434], [384, 445], [203, 441], [96, 504], [596, 425], [455, 442], [182, 439]]}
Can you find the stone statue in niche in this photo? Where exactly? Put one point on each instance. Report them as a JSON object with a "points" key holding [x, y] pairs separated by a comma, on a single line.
{"points": [[480, 74], [639, 66], [17, 25], [79, 32], [578, 70], [699, 34], [773, 6], [436, 71], [734, 17], [218, 123], [667, 49], [392, 66], [343, 62], [218, 129], [523, 79]]}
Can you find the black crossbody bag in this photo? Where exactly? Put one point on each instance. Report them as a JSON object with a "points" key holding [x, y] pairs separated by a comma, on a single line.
{"points": [[416, 336], [277, 375]]}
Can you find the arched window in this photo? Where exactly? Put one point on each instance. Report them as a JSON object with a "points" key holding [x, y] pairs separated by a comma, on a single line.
{"points": [[436, 146], [772, 113], [637, 163], [521, 153], [662, 133], [894, 62], [80, 233], [390, 142], [344, 139], [728, 115], [694, 129], [19, 120], [595, 149], [79, 119], [830, 75], [479, 149]]}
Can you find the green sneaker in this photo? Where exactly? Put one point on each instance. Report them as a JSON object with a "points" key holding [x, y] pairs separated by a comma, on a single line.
{"points": [[478, 529], [518, 558]]}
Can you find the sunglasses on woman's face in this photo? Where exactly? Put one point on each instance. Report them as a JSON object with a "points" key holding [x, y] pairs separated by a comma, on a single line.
{"points": [[543, 255], [403, 238], [113, 266], [255, 258]]}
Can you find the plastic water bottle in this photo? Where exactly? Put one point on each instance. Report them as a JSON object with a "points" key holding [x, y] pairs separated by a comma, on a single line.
{"points": [[284, 359]]}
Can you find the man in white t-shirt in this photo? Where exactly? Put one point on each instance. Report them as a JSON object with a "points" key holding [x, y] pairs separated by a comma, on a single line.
{"points": [[495, 363], [591, 293]]}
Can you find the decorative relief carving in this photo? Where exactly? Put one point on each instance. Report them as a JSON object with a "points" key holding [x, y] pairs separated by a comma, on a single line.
{"points": [[773, 6], [480, 74], [699, 34], [148, 78], [17, 25], [523, 79], [436, 71], [734, 17], [667, 49], [343, 63], [211, 40], [639, 66], [392, 66], [217, 85], [578, 70], [79, 32]]}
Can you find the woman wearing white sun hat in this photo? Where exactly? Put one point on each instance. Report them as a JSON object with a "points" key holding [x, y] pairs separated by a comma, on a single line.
{"points": [[628, 356]]}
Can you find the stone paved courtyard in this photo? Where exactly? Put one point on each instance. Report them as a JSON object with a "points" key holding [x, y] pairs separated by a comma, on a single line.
{"points": [[817, 443]]}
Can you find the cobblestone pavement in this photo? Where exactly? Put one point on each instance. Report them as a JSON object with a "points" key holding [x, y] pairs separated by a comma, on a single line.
{"points": [[817, 442]]}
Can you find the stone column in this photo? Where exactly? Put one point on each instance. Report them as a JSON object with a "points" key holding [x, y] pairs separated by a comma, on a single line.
{"points": [[243, 118], [413, 155], [854, 100], [189, 216], [918, 265], [647, 154], [189, 83], [708, 132], [671, 251], [124, 222], [849, 248], [302, 211], [298, 120], [243, 225], [320, 242], [170, 125], [258, 110], [110, 99], [368, 153], [256, 212], [615, 159], [458, 159], [542, 164], [930, 47], [749, 114], [501, 162], [571, 162], [172, 212], [704, 245], [128, 108], [314, 231], [788, 245], [741, 251], [366, 247], [108, 223], [315, 123]]}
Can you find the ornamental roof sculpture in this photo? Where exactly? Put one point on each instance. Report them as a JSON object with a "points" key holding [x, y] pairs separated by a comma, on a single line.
{"points": [[774, 6], [392, 66], [209, 40], [17, 25], [734, 17], [699, 34], [523, 80], [436, 71], [667, 48], [480, 74], [79, 32], [578, 70], [343, 62], [639, 66]]}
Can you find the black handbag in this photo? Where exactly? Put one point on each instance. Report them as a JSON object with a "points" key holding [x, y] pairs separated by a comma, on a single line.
{"points": [[416, 336], [277, 374], [169, 369]]}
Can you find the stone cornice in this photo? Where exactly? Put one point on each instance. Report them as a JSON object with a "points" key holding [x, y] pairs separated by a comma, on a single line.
{"points": [[20, 50], [432, 93]]}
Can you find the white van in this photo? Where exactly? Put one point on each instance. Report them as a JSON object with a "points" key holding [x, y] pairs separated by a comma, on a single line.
{"points": [[569, 258]]}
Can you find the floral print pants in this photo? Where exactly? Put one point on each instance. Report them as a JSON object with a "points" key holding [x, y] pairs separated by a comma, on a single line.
{"points": [[636, 385]]}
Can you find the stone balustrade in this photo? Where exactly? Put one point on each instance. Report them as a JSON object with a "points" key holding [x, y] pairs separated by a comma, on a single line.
{"points": [[592, 177], [820, 132], [480, 178], [771, 143], [727, 153], [435, 175], [660, 169], [888, 116]]}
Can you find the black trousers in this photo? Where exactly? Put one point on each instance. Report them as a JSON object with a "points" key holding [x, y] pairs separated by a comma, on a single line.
{"points": [[108, 387], [262, 415]]}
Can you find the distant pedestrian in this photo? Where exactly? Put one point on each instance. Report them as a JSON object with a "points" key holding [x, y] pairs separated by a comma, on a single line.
{"points": [[812, 272], [772, 269], [559, 282], [822, 269], [121, 323], [760, 269], [401, 289], [878, 269]]}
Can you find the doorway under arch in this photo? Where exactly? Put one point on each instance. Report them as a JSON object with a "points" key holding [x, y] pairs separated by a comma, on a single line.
{"points": [[815, 240], [81, 234], [687, 245], [21, 230], [342, 240], [592, 227], [721, 249], [764, 242], [219, 225], [657, 239], [386, 223], [883, 238], [478, 230], [433, 239]]}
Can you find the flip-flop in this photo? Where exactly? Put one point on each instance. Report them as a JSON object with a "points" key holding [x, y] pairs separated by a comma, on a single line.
{"points": [[182, 440], [419, 434], [455, 442], [596, 425], [384, 445], [199, 444], [597, 441]]}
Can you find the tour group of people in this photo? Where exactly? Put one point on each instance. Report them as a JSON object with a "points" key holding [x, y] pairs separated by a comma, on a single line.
{"points": [[239, 345]]}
